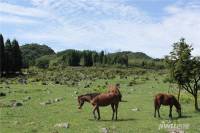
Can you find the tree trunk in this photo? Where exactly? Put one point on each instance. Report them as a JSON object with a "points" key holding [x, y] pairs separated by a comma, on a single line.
{"points": [[196, 102], [179, 91]]}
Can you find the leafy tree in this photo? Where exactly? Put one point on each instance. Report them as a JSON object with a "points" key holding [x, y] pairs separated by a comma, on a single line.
{"points": [[17, 57], [185, 69], [2, 57]]}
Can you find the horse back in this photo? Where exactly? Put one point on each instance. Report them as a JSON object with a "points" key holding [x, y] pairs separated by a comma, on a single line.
{"points": [[105, 99], [164, 99]]}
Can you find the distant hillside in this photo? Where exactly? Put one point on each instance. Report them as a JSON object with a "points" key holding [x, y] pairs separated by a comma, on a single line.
{"points": [[134, 55], [30, 52], [43, 56]]}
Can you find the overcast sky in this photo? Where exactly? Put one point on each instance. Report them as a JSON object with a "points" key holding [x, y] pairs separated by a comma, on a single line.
{"points": [[149, 26]]}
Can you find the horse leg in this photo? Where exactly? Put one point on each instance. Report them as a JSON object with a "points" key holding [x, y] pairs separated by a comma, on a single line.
{"points": [[95, 107], [170, 112], [155, 111], [98, 113], [158, 109], [116, 108], [113, 109]]}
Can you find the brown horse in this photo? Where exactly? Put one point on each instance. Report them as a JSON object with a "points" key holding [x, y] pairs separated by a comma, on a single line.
{"points": [[86, 97], [167, 100], [105, 99]]}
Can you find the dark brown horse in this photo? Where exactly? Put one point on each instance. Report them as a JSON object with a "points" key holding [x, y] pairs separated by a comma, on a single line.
{"points": [[86, 97], [105, 99], [167, 100]]}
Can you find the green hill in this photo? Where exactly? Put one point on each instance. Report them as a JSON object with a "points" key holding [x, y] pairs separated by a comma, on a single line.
{"points": [[33, 51]]}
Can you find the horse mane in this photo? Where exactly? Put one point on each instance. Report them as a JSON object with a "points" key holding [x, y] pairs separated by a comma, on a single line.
{"points": [[115, 89], [89, 94]]}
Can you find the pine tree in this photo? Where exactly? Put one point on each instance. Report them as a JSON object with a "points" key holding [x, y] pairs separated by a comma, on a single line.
{"points": [[2, 57], [8, 57], [17, 56], [101, 57]]}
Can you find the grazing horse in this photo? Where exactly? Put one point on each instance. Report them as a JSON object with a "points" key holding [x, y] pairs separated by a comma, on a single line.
{"points": [[86, 97], [115, 89], [167, 100], [105, 99]]}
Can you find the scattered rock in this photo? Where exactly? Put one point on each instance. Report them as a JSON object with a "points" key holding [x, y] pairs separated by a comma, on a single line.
{"points": [[104, 130], [27, 98], [46, 103], [2, 94], [51, 101], [87, 86], [58, 99], [75, 92], [17, 104], [62, 125], [30, 123], [16, 122], [44, 83], [135, 109]]}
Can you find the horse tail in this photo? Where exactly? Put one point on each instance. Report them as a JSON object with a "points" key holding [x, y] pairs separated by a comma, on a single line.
{"points": [[155, 101]]}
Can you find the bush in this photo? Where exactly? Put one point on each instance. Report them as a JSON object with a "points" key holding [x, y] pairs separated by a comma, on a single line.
{"points": [[43, 62]]}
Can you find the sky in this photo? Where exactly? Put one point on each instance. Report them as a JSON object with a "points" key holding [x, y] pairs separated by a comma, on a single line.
{"points": [[149, 26]]}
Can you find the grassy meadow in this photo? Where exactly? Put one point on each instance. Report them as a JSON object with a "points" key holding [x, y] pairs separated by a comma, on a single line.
{"points": [[137, 86]]}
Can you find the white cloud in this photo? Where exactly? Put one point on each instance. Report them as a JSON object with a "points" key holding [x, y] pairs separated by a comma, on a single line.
{"points": [[5, 19], [23, 11], [113, 25]]}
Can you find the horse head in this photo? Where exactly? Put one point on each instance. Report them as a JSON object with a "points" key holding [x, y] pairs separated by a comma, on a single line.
{"points": [[178, 109], [80, 102]]}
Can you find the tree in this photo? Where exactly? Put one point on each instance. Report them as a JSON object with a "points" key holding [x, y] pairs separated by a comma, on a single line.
{"points": [[184, 69], [2, 57], [17, 56], [105, 59], [8, 57], [87, 58], [72, 58], [101, 57], [95, 58]]}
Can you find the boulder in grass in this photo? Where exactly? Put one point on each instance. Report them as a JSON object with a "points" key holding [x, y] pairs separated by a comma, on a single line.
{"points": [[17, 104], [135, 109], [62, 125], [58, 99], [104, 130], [2, 94], [75, 92], [46, 103]]}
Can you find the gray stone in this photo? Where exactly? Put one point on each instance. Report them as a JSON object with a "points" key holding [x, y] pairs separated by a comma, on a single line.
{"points": [[17, 104], [62, 125], [135, 109], [104, 130]]}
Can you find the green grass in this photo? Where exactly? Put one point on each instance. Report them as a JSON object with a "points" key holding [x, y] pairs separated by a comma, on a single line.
{"points": [[35, 118]]}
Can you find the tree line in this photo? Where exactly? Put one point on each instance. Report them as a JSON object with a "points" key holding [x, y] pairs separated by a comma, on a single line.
{"points": [[10, 57], [93, 58]]}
